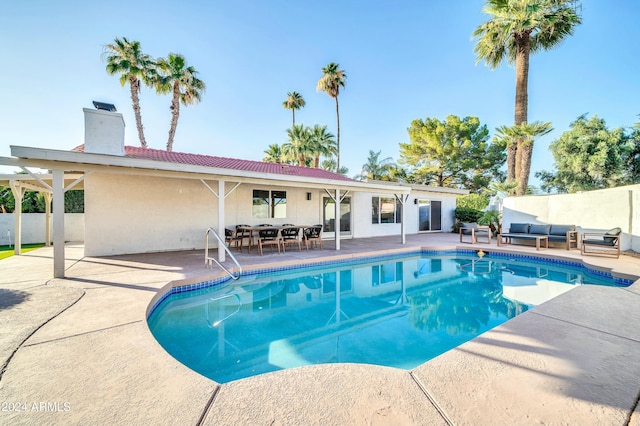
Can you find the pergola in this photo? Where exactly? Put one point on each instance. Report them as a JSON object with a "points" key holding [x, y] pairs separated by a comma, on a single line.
{"points": [[68, 169], [20, 183]]}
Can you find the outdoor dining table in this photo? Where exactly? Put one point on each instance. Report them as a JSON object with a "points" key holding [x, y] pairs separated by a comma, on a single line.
{"points": [[257, 229]]}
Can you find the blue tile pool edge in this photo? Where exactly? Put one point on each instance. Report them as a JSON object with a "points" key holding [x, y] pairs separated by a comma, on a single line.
{"points": [[621, 282]]}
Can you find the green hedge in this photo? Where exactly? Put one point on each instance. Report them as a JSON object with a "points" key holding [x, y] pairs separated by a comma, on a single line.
{"points": [[34, 202], [473, 201], [466, 215], [463, 214]]}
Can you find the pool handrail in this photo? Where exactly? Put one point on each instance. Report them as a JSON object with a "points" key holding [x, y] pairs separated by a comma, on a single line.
{"points": [[208, 261]]}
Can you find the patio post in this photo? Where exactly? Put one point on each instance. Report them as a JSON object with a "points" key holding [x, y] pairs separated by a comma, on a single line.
{"points": [[18, 194], [336, 224], [221, 226], [47, 218], [403, 200], [58, 223]]}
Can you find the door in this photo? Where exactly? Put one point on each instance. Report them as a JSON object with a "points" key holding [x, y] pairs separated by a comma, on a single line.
{"points": [[329, 215], [429, 215]]}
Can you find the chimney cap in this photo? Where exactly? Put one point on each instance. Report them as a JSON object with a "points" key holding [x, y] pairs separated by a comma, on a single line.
{"points": [[104, 106]]}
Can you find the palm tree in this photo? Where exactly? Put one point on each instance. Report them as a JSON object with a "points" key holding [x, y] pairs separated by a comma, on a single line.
{"points": [[322, 143], [330, 165], [375, 169], [179, 79], [273, 154], [125, 57], [297, 146], [333, 78], [293, 102], [525, 134], [518, 28]]}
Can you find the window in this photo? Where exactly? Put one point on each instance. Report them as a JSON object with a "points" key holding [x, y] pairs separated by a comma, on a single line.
{"points": [[386, 273], [269, 204], [386, 210]]}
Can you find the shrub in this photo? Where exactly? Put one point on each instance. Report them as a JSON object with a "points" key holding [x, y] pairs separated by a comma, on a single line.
{"points": [[462, 214], [34, 202], [473, 201], [467, 215]]}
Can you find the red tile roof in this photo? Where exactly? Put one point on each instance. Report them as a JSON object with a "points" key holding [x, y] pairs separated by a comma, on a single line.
{"points": [[226, 163]]}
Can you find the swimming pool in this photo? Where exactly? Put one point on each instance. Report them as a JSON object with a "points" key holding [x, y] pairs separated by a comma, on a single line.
{"points": [[392, 311]]}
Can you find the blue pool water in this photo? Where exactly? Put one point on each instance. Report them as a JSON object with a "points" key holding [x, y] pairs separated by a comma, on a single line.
{"points": [[397, 312]]}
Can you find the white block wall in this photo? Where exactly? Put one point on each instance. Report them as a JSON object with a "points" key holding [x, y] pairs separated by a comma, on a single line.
{"points": [[34, 227], [591, 211]]}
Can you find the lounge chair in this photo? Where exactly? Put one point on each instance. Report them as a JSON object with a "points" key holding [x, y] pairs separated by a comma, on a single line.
{"points": [[474, 231], [607, 243], [291, 236], [269, 237], [313, 236]]}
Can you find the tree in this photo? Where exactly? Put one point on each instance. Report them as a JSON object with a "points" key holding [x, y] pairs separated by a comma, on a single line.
{"points": [[525, 134], [125, 57], [588, 156], [274, 154], [375, 169], [298, 146], [633, 156], [174, 76], [398, 173], [293, 102], [454, 153], [330, 165], [321, 143], [517, 29], [333, 78], [473, 201]]}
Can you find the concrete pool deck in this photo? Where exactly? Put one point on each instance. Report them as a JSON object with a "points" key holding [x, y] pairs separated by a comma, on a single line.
{"points": [[78, 351]]}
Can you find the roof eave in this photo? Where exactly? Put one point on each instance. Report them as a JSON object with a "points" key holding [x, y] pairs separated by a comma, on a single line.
{"points": [[49, 158]]}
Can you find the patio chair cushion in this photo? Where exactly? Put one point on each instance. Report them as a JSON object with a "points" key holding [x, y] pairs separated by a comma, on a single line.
{"points": [[519, 228], [539, 229], [611, 236], [467, 227]]}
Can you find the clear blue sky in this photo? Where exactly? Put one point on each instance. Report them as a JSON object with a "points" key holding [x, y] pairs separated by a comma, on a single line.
{"points": [[404, 60]]}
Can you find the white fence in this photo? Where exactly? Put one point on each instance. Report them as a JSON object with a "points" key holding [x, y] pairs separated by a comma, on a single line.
{"points": [[592, 211], [34, 228]]}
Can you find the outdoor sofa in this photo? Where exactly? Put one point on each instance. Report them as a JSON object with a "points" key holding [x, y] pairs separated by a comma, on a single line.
{"points": [[540, 233]]}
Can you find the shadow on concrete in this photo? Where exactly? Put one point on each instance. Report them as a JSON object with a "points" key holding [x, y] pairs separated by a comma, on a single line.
{"points": [[112, 284], [602, 377], [9, 298]]}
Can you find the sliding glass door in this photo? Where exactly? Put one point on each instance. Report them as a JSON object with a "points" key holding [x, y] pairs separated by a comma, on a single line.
{"points": [[329, 215], [429, 215]]}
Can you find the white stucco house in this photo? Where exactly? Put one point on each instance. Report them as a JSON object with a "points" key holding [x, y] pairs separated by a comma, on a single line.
{"points": [[145, 200]]}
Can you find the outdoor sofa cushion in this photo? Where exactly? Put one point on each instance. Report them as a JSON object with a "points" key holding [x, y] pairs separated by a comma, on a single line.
{"points": [[561, 230], [539, 229], [519, 228]]}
